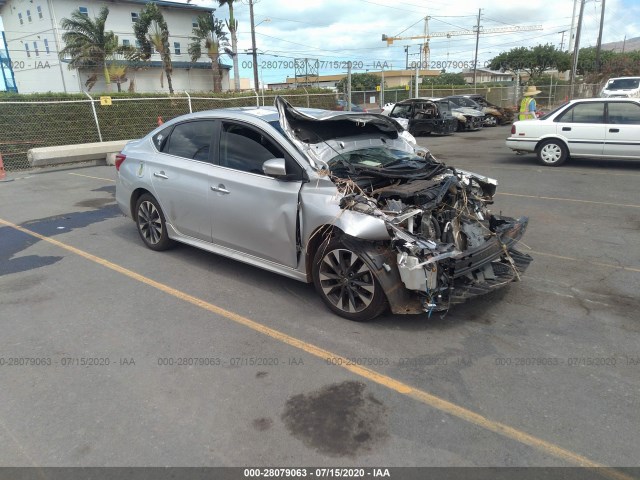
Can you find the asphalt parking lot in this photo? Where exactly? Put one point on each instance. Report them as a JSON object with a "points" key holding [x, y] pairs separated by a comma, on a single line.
{"points": [[115, 355]]}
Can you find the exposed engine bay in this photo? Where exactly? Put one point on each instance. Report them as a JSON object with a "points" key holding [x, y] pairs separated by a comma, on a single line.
{"points": [[448, 244]]}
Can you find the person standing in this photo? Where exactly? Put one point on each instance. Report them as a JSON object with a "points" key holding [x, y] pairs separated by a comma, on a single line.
{"points": [[528, 104]]}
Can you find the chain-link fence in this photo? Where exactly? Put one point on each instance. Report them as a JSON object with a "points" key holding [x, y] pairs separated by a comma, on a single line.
{"points": [[46, 122], [27, 123]]}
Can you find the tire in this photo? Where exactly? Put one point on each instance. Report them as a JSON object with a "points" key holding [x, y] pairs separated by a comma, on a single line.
{"points": [[346, 284], [151, 223], [552, 153], [491, 121]]}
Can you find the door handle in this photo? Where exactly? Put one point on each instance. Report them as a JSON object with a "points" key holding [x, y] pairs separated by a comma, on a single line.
{"points": [[160, 175], [614, 130], [566, 129], [220, 189]]}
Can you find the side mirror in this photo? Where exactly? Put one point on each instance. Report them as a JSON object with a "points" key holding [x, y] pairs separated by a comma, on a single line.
{"points": [[274, 167]]}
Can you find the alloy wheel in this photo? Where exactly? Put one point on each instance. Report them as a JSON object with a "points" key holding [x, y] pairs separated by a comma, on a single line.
{"points": [[346, 280], [150, 222]]}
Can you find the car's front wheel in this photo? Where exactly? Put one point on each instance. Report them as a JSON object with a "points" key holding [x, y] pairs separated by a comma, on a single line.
{"points": [[552, 153], [346, 284], [151, 223]]}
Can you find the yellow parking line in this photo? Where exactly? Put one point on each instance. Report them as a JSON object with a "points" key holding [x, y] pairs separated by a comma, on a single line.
{"points": [[569, 200], [599, 264], [89, 176], [381, 379]]}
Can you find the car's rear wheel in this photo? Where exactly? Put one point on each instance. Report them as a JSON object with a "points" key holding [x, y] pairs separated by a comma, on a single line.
{"points": [[552, 153], [346, 284], [151, 223]]}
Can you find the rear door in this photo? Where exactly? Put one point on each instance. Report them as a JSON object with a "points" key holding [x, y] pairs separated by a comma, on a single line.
{"points": [[584, 128], [180, 176], [623, 130]]}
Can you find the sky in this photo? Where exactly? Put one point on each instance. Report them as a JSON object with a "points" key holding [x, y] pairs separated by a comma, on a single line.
{"points": [[337, 31], [341, 31]]}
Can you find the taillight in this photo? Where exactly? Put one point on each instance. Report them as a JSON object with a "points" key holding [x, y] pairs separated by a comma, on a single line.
{"points": [[513, 130], [119, 159]]}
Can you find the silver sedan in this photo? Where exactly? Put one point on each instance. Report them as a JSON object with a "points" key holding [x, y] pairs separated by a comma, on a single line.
{"points": [[346, 201]]}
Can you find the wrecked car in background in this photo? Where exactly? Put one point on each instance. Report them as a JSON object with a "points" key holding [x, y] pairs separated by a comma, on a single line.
{"points": [[422, 117], [342, 200], [469, 119], [503, 115]]}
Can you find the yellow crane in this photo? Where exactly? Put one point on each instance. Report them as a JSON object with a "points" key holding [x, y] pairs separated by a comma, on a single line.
{"points": [[427, 36]]}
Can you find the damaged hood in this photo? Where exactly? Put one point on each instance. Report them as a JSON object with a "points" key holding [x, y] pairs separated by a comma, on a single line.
{"points": [[312, 134]]}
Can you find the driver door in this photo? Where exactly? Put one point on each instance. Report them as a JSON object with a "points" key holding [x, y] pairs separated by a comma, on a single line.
{"points": [[251, 212]]}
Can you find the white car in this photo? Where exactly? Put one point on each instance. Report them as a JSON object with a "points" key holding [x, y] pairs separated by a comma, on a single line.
{"points": [[592, 127]]}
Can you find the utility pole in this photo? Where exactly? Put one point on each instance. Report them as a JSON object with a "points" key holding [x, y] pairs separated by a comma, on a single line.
{"points": [[576, 48], [599, 45], [562, 40], [348, 86], [572, 35], [382, 89], [475, 58], [406, 51], [254, 49]]}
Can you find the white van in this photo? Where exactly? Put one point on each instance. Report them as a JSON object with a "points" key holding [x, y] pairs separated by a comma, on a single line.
{"points": [[622, 87]]}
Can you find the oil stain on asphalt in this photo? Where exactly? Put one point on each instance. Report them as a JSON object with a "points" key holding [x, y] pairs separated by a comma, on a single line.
{"points": [[337, 420]]}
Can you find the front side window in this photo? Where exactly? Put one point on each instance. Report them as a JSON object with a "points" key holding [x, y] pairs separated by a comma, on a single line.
{"points": [[126, 43], [624, 113], [588, 112], [29, 15], [134, 17], [176, 47], [189, 140], [35, 49], [39, 9], [246, 149], [84, 11], [20, 18], [46, 46], [26, 49]]}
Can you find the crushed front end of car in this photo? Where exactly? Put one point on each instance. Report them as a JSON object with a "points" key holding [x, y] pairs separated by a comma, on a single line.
{"points": [[442, 244], [448, 246]]}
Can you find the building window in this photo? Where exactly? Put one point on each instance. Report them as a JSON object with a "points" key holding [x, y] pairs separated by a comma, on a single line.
{"points": [[194, 22], [20, 18], [176, 47], [39, 8], [84, 11], [126, 43], [46, 46], [138, 44], [134, 17], [35, 49], [29, 15], [26, 49]]}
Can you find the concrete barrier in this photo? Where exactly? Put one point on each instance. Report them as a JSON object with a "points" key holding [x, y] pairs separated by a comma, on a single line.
{"points": [[44, 156]]}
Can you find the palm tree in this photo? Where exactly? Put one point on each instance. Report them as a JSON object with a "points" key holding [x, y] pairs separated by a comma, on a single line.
{"points": [[210, 31], [88, 44], [158, 38], [232, 25]]}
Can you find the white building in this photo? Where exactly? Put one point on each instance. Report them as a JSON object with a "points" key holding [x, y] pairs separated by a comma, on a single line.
{"points": [[34, 37]]}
